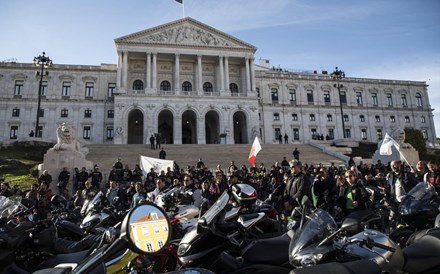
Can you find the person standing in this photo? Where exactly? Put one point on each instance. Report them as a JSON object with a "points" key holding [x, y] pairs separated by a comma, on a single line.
{"points": [[96, 177], [82, 177], [296, 154], [45, 178], [63, 180], [152, 141], [432, 177], [162, 154], [157, 141], [286, 138], [280, 139], [297, 187]]}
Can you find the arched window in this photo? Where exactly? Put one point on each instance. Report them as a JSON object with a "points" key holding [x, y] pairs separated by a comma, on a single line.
{"points": [[187, 86], [138, 85], [207, 87], [165, 86], [233, 88]]}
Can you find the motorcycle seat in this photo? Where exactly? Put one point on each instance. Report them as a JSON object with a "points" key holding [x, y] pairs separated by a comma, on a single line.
{"points": [[356, 267], [423, 254], [75, 257], [63, 246], [272, 251]]}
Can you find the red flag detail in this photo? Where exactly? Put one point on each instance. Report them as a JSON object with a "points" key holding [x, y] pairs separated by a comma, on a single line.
{"points": [[256, 147]]}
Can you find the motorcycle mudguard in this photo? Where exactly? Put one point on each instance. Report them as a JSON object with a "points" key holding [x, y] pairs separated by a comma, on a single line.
{"points": [[358, 267]]}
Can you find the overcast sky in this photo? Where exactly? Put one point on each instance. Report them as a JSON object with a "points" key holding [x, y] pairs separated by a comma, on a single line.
{"points": [[385, 39]]}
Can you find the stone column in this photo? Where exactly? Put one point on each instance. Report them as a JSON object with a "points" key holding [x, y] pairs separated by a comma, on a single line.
{"points": [[253, 86], [201, 132], [177, 75], [177, 130], [118, 71], [199, 75], [148, 72], [125, 69], [222, 75], [227, 73], [154, 73], [248, 76]]}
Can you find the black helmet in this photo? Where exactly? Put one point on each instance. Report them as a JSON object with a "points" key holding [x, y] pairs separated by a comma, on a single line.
{"points": [[58, 201]]}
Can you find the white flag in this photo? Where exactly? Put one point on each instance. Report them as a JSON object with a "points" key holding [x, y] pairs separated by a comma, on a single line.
{"points": [[157, 164], [256, 147], [387, 143]]}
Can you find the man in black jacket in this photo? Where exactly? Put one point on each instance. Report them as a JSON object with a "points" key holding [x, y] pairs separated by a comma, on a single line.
{"points": [[297, 187]]}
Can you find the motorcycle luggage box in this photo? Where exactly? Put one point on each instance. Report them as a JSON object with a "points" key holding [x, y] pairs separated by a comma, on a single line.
{"points": [[244, 194]]}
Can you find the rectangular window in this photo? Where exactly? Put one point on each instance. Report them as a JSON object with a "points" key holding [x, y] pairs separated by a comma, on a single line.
{"points": [[392, 119], [377, 118], [347, 133], [314, 133], [359, 98], [13, 133], [43, 88], [110, 113], [404, 102], [277, 133], [258, 92], [346, 118], [425, 134], [327, 97], [364, 134], [66, 89], [274, 92], [292, 96], [276, 116], [331, 133], [18, 91], [111, 89], [310, 97], [88, 113], [86, 132], [389, 99], [343, 97], [16, 112], [109, 133], [407, 120], [89, 89], [374, 99], [379, 134], [423, 119], [64, 113], [295, 134], [329, 118], [362, 118], [41, 112], [294, 117], [312, 117]]}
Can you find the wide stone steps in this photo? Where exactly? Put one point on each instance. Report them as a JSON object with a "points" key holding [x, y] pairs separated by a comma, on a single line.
{"points": [[212, 155]]}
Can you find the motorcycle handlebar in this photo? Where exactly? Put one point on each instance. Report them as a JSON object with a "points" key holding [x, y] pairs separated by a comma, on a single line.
{"points": [[389, 248]]}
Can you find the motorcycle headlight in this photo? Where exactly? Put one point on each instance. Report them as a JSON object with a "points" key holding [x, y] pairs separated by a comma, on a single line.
{"points": [[405, 211], [182, 249], [308, 260]]}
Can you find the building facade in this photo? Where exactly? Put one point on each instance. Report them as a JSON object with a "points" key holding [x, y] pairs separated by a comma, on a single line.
{"points": [[189, 83]]}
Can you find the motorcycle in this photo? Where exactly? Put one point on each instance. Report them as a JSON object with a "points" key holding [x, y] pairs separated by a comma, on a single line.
{"points": [[417, 211]]}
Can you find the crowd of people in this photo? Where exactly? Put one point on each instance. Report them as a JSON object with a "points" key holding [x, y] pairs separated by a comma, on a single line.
{"points": [[338, 189]]}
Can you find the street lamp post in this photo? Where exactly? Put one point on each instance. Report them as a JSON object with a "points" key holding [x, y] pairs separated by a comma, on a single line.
{"points": [[43, 62], [337, 75]]}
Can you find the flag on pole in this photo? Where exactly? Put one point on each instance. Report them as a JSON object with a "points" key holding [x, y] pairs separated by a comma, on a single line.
{"points": [[179, 1], [256, 147], [147, 163], [387, 143]]}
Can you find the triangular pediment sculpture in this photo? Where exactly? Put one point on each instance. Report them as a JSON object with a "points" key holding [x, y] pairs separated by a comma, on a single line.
{"points": [[185, 32]]}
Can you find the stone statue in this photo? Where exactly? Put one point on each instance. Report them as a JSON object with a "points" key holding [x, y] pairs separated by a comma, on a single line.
{"points": [[66, 138], [399, 136]]}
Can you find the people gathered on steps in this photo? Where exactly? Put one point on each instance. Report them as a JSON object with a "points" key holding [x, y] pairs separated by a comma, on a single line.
{"points": [[339, 190]]}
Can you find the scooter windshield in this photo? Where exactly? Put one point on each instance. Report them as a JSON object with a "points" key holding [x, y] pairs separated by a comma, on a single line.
{"points": [[304, 247], [9, 205], [216, 208]]}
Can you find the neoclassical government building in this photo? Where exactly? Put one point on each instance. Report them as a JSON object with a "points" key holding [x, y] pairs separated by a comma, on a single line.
{"points": [[192, 84]]}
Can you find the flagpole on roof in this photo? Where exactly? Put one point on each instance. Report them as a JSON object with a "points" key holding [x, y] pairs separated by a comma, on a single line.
{"points": [[183, 9]]}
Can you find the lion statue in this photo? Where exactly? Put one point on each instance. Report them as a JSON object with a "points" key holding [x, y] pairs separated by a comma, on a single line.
{"points": [[399, 136], [66, 138]]}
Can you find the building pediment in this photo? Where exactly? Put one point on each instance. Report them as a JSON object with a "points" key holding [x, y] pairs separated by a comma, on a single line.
{"points": [[185, 32]]}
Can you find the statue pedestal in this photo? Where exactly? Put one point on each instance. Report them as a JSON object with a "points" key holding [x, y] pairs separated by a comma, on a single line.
{"points": [[56, 160]]}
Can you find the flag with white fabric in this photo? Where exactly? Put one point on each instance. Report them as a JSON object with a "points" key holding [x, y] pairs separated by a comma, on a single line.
{"points": [[256, 147], [158, 165], [387, 144]]}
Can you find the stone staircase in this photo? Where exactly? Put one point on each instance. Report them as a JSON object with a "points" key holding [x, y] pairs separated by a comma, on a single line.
{"points": [[212, 155]]}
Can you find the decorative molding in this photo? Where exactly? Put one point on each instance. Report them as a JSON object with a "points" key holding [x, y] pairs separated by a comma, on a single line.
{"points": [[150, 106], [89, 78]]}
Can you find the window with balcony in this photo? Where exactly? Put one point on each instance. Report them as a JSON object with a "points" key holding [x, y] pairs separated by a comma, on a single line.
{"points": [[314, 133], [276, 116], [359, 98], [379, 134], [111, 90], [277, 132], [374, 99], [138, 85], [327, 97], [207, 87], [347, 133], [389, 99], [310, 97], [419, 100], [187, 87], [329, 118], [41, 112], [294, 117], [274, 93], [43, 88], [109, 133], [13, 132], [404, 101], [295, 134], [87, 132], [346, 119], [331, 133], [362, 118], [234, 89], [312, 117], [292, 96], [377, 118], [392, 119], [165, 86], [364, 134], [343, 97]]}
